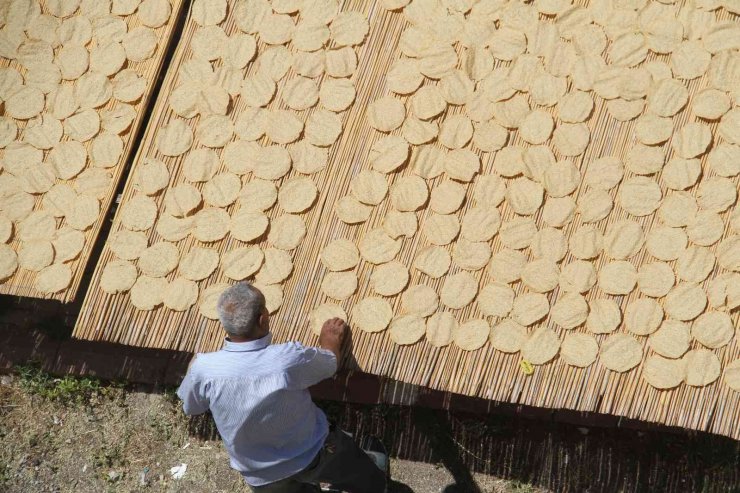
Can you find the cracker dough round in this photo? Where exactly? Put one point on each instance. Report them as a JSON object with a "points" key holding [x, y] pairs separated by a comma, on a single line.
{"points": [[496, 300], [471, 335], [713, 329], [569, 311], [377, 247], [182, 199], [652, 129], [620, 352], [517, 233], [462, 165], [211, 224], [337, 94], [694, 264], [433, 261], [447, 197], [677, 209], [398, 224], [586, 242], [471, 255], [386, 114], [541, 346], [666, 243], [276, 268], [655, 279], [623, 239], [604, 316], [300, 93], [180, 294], [118, 276], [672, 339], [455, 131], [578, 276], [618, 277], [428, 161], [558, 211], [151, 176], [702, 367], [529, 308], [54, 278], [341, 62], [604, 173], [643, 316], [508, 336], [372, 314], [594, 205], [349, 28], [480, 223], [407, 329], [440, 328], [339, 285], [242, 262], [663, 373], [540, 275], [173, 228], [39, 225], [685, 301], [369, 187], [728, 253], [6, 229], [127, 245], [159, 259], [390, 278], [287, 232], [148, 292], [680, 174], [419, 299], [441, 229], [579, 349], [340, 254], [323, 128], [524, 196], [199, 263], [351, 211], [716, 194], [175, 138], [639, 196], [389, 153], [459, 290], [506, 265], [409, 193], [208, 12]]}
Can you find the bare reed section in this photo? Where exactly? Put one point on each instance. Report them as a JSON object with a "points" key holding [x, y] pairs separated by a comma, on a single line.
{"points": [[22, 283], [485, 372]]}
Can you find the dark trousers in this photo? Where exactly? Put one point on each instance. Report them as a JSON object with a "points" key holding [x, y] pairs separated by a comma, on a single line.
{"points": [[341, 463]]}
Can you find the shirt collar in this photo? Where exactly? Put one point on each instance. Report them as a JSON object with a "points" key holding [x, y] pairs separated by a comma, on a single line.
{"points": [[255, 345]]}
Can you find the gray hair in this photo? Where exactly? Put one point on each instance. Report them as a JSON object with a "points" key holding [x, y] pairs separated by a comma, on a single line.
{"points": [[239, 309]]}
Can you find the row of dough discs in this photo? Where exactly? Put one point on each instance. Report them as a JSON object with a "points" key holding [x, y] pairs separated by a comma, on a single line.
{"points": [[72, 77], [265, 99], [518, 84]]}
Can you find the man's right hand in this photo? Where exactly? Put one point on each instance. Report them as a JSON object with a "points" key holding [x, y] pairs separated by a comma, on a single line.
{"points": [[333, 333]]}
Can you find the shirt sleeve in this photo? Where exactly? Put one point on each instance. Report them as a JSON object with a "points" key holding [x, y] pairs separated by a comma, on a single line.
{"points": [[191, 393], [312, 365]]}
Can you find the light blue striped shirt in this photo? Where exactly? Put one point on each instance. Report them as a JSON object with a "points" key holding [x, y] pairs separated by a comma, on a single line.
{"points": [[258, 395]]}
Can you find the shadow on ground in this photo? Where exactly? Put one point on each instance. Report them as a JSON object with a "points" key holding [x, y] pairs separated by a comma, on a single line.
{"points": [[556, 456]]}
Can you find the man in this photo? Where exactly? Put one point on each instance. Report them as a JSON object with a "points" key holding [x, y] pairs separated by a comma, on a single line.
{"points": [[258, 394]]}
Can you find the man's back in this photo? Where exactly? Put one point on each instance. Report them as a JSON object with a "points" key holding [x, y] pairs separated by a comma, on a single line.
{"points": [[258, 396]]}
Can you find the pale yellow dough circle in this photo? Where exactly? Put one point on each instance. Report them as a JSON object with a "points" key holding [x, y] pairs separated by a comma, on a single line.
{"points": [[409, 193], [339, 285], [276, 268], [322, 313], [386, 114], [618, 277], [620, 352], [459, 290], [496, 300], [54, 278], [685, 301], [579, 349], [351, 211], [180, 294], [529, 308], [340, 254], [713, 329], [8, 261], [287, 232], [440, 328], [702, 367], [35, 255], [372, 314], [407, 329], [247, 225], [643, 316], [569, 311], [541, 346], [159, 259], [433, 261], [420, 299], [377, 247], [508, 336], [672, 339], [663, 373], [242, 262], [297, 194], [604, 316], [118, 276], [471, 335], [655, 279], [398, 224], [148, 292], [390, 278], [199, 263], [369, 187]]}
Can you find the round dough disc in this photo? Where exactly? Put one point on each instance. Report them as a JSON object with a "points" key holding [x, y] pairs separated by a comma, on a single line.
{"points": [[702, 367], [471, 335], [440, 328], [663, 373], [620, 352], [118, 276], [407, 329], [541, 346], [579, 349], [180, 294], [390, 278], [372, 314]]}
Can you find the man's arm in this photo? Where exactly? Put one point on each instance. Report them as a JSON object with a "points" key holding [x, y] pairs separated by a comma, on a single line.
{"points": [[317, 364], [191, 393]]}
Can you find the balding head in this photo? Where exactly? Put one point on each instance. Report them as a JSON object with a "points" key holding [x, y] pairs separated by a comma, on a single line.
{"points": [[240, 308]]}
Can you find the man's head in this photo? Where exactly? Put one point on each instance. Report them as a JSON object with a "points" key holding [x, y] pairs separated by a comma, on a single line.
{"points": [[242, 312]]}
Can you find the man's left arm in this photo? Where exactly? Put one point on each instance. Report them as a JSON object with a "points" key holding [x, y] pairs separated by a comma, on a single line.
{"points": [[191, 393], [311, 366]]}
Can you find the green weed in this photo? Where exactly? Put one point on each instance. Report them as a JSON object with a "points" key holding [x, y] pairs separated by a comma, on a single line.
{"points": [[66, 390]]}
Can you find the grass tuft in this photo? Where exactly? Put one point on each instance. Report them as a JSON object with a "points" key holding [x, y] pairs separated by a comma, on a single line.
{"points": [[66, 390]]}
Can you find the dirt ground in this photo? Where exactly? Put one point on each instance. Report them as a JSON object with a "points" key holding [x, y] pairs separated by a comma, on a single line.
{"points": [[73, 435]]}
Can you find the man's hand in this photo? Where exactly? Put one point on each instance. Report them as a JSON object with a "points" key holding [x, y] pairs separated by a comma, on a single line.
{"points": [[333, 333]]}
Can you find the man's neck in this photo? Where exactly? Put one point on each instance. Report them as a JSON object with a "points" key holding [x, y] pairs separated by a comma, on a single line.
{"points": [[244, 339]]}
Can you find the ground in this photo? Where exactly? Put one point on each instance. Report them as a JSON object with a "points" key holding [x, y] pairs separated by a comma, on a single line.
{"points": [[78, 435], [71, 434]]}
